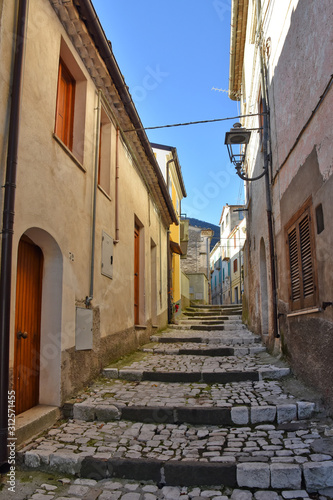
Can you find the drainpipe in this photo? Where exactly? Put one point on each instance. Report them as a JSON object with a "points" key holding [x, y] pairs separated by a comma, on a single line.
{"points": [[267, 180], [93, 230], [116, 188], [169, 257], [160, 234], [8, 226], [169, 280]]}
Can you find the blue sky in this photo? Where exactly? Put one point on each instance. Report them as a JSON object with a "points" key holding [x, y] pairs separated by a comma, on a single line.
{"points": [[172, 54]]}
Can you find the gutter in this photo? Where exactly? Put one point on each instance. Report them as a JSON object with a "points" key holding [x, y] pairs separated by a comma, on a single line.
{"points": [[89, 17], [8, 226], [239, 9]]}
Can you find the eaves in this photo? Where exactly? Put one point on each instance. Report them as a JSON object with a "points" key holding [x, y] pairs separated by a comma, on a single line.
{"points": [[239, 9]]}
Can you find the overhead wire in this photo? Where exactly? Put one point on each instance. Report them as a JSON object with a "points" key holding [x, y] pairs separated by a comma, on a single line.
{"points": [[194, 123]]}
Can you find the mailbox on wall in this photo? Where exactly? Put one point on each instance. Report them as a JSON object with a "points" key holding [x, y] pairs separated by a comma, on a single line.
{"points": [[107, 255]]}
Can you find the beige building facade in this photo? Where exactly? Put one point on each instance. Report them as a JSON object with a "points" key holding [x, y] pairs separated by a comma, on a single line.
{"points": [[92, 210], [281, 60]]}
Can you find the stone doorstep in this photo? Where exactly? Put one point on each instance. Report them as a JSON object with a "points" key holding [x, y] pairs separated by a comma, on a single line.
{"points": [[315, 475], [195, 415], [34, 421]]}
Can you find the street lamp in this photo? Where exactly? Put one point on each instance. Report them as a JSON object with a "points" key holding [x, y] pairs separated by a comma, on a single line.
{"points": [[239, 136]]}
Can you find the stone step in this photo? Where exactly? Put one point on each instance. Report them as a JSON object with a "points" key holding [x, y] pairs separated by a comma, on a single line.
{"points": [[197, 404], [211, 321], [229, 337], [196, 349], [200, 315], [262, 456], [207, 328], [208, 377]]}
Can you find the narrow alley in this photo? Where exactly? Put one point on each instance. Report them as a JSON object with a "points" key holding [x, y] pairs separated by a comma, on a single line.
{"points": [[203, 411]]}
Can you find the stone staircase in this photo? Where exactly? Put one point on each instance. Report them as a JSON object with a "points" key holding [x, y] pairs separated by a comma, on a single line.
{"points": [[195, 408]]}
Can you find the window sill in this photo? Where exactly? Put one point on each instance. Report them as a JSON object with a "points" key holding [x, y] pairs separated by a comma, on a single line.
{"points": [[301, 312], [105, 193], [69, 152]]}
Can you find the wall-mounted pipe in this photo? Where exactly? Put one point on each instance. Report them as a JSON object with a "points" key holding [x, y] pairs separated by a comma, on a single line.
{"points": [[117, 189], [93, 228], [8, 225], [266, 140]]}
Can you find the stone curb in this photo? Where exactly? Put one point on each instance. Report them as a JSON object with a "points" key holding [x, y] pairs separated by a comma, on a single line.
{"points": [[196, 415], [315, 475], [202, 376]]}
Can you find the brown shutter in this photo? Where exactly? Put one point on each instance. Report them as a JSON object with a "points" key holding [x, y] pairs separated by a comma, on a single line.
{"points": [[301, 261], [307, 261], [294, 267], [65, 106]]}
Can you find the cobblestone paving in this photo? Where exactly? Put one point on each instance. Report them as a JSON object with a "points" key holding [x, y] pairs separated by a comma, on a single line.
{"points": [[61, 488], [169, 394], [187, 363], [263, 443], [273, 445]]}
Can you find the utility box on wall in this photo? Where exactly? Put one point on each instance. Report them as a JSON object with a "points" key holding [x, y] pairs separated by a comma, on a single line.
{"points": [[107, 255], [83, 329]]}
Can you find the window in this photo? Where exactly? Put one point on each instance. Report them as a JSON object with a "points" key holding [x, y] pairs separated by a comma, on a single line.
{"points": [[65, 106], [302, 283], [104, 164], [70, 104], [235, 265]]}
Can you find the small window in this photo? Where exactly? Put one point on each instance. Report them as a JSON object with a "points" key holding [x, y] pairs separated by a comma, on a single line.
{"points": [[65, 106], [302, 282], [320, 218], [71, 103], [235, 265]]}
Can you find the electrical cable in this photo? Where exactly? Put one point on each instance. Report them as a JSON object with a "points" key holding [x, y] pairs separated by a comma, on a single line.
{"points": [[195, 123]]}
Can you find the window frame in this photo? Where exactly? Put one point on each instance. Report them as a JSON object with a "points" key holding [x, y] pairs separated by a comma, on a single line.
{"points": [[64, 130], [298, 260]]}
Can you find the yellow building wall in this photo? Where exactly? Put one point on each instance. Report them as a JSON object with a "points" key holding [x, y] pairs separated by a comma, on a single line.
{"points": [[175, 236]]}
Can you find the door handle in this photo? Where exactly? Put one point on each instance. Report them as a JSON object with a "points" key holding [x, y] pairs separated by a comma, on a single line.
{"points": [[22, 335]]}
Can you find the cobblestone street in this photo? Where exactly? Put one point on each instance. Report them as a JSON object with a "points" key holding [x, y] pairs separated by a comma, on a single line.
{"points": [[198, 413]]}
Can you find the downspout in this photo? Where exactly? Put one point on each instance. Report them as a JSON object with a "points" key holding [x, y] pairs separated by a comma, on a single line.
{"points": [[169, 257], [267, 181], [8, 226], [169, 278], [160, 234], [117, 188], [93, 229]]}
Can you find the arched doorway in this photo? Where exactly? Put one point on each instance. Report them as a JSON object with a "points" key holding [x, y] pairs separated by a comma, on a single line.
{"points": [[27, 324], [263, 288], [46, 300]]}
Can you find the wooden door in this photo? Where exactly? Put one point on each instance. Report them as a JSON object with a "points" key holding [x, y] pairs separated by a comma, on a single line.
{"points": [[136, 275], [27, 325]]}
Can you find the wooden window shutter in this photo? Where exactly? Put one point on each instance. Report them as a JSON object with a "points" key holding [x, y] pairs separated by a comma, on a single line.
{"points": [[65, 106], [294, 268], [301, 263], [307, 261]]}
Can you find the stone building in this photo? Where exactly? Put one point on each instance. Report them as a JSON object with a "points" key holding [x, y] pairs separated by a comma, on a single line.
{"points": [[87, 272], [196, 265], [281, 72]]}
